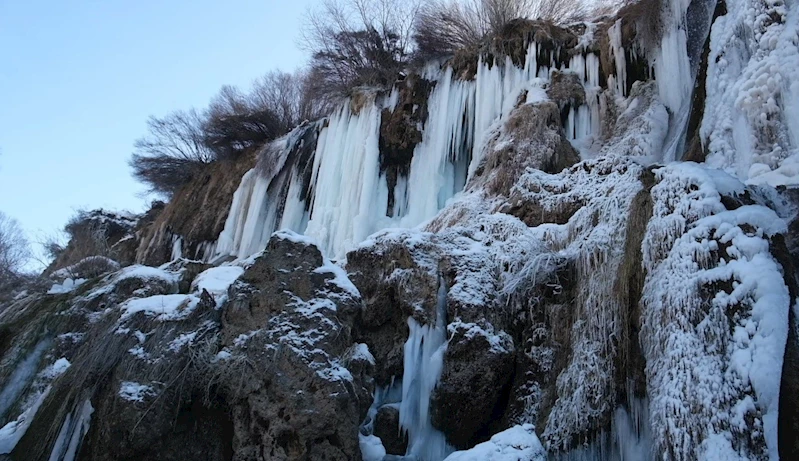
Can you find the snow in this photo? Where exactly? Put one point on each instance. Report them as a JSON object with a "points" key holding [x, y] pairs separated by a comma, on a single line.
{"points": [[340, 278], [66, 286], [361, 352], [371, 448], [145, 273], [216, 281], [162, 307], [514, 444], [500, 343], [56, 369], [135, 392], [750, 125], [700, 371], [184, 339]]}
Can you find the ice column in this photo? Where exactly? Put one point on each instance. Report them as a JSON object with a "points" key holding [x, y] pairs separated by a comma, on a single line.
{"points": [[424, 361], [348, 204]]}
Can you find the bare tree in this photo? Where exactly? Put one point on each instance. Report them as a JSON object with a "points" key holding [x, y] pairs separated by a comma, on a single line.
{"points": [[445, 26], [172, 151], [14, 252], [235, 122], [358, 42]]}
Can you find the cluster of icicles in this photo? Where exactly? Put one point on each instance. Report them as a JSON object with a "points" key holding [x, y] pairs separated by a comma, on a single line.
{"points": [[349, 196]]}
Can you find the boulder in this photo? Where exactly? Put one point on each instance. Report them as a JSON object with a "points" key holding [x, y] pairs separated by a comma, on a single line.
{"points": [[472, 391]]}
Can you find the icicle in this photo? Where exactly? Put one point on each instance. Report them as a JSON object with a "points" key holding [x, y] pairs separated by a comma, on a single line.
{"points": [[446, 142], [498, 88], [229, 240], [423, 363], [177, 247], [346, 206]]}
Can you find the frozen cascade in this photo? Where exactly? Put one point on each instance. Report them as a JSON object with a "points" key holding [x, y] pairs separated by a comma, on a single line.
{"points": [[438, 167], [75, 427], [21, 378], [347, 197], [348, 203], [674, 59], [423, 363], [177, 247], [630, 437]]}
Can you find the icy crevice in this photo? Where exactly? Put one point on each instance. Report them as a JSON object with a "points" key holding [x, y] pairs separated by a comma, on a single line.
{"points": [[74, 428], [629, 437]]}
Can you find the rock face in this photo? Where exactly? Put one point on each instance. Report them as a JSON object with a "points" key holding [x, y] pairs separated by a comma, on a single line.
{"points": [[472, 392], [387, 427], [299, 399], [275, 375], [565, 290]]}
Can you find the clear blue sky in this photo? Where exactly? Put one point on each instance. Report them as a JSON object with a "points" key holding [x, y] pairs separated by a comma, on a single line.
{"points": [[78, 79]]}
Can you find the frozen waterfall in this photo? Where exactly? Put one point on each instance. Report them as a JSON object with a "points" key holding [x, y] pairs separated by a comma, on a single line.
{"points": [[338, 194]]}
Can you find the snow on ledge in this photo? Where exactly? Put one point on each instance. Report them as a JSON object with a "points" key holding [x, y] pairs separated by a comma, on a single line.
{"points": [[163, 307], [518, 442], [135, 392]]}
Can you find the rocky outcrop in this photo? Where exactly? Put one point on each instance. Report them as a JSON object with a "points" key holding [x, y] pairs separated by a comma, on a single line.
{"points": [[472, 392], [289, 329], [96, 233], [144, 365], [387, 428]]}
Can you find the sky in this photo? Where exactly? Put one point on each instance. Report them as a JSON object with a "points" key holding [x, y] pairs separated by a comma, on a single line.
{"points": [[79, 78]]}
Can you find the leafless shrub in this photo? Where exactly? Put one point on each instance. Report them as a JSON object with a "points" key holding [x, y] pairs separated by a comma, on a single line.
{"points": [[445, 26], [357, 42], [172, 152], [235, 122], [284, 94], [14, 253]]}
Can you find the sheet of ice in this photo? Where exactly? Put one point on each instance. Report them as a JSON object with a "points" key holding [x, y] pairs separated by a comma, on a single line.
{"points": [[13, 431], [348, 202], [514, 444], [74, 428], [22, 376]]}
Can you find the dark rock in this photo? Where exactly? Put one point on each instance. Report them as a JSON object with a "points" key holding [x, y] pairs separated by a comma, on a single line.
{"points": [[387, 428], [394, 286], [565, 88], [472, 391], [400, 130], [290, 324]]}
